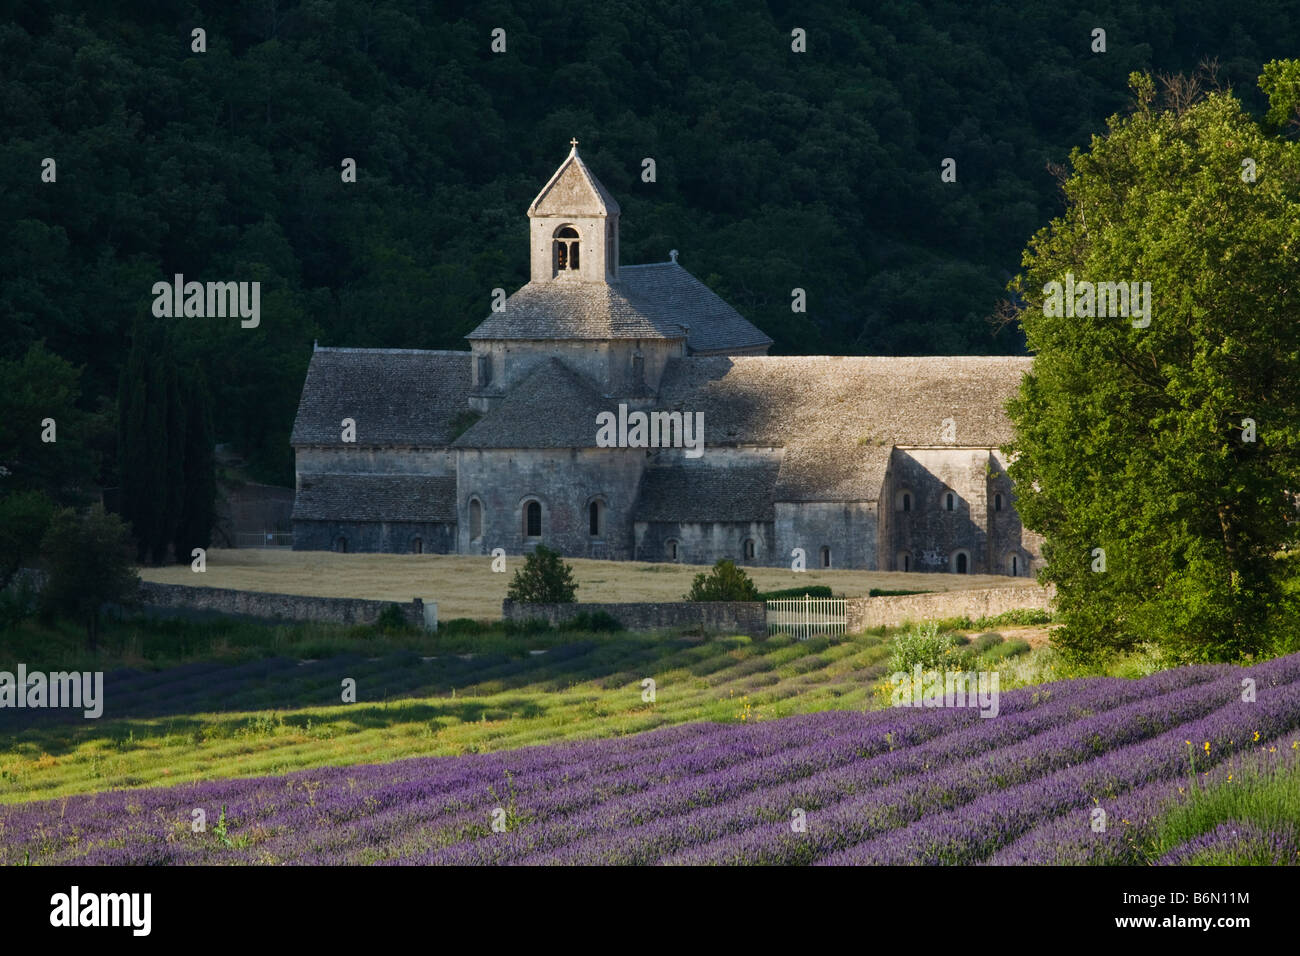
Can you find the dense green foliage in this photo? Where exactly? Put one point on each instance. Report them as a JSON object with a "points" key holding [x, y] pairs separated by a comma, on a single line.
{"points": [[1160, 461], [544, 579], [775, 170], [723, 582]]}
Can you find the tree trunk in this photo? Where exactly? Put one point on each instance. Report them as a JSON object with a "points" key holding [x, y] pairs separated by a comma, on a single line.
{"points": [[1228, 527]]}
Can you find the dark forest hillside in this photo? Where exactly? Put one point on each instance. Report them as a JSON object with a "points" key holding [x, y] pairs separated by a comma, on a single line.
{"points": [[775, 169]]}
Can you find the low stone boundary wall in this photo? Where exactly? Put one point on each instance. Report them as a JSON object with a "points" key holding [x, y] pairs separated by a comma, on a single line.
{"points": [[728, 617], [293, 607], [890, 611]]}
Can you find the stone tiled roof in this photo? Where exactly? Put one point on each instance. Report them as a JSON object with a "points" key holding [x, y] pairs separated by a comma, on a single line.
{"points": [[656, 301], [329, 497], [696, 491], [551, 407], [396, 396], [714, 325], [841, 472], [832, 400], [567, 308]]}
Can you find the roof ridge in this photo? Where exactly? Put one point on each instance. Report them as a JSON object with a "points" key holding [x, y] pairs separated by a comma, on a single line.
{"points": [[331, 348]]}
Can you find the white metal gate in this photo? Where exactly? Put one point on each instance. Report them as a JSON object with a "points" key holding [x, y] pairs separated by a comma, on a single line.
{"points": [[803, 617]]}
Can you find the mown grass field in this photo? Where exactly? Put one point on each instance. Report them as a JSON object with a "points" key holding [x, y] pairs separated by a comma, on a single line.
{"points": [[496, 702], [465, 585], [258, 709]]}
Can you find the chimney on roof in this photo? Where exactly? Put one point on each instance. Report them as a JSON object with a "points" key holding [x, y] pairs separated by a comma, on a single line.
{"points": [[672, 255]]}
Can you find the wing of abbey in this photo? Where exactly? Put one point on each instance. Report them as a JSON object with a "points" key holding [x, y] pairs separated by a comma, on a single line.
{"points": [[627, 412]]}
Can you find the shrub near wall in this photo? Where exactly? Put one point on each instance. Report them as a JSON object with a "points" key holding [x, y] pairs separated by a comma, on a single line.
{"points": [[723, 617]]}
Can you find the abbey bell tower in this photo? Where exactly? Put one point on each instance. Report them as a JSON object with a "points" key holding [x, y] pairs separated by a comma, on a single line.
{"points": [[573, 227]]}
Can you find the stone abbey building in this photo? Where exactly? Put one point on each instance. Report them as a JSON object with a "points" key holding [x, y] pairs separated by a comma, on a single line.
{"points": [[862, 462]]}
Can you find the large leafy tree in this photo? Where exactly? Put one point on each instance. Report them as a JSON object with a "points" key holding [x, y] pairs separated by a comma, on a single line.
{"points": [[1134, 455]]}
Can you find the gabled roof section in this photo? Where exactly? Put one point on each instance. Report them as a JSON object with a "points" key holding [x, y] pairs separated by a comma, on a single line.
{"points": [[573, 190], [847, 471], [333, 497], [695, 492], [396, 397], [552, 407], [665, 288], [832, 400]]}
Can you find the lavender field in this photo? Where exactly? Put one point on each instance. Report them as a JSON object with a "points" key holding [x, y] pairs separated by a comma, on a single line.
{"points": [[898, 786]]}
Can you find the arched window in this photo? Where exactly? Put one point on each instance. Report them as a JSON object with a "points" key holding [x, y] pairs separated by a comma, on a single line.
{"points": [[596, 518], [997, 502], [533, 519], [475, 519], [341, 544], [1015, 566], [417, 545], [826, 556], [670, 549], [950, 501], [903, 562], [961, 563], [749, 549], [903, 500], [566, 244]]}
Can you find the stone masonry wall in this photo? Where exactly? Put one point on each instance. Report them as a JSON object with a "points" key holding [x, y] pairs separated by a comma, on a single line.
{"points": [[259, 604], [863, 613]]}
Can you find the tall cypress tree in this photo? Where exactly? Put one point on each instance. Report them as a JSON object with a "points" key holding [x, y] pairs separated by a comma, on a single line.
{"points": [[173, 423], [151, 435], [138, 503], [194, 527]]}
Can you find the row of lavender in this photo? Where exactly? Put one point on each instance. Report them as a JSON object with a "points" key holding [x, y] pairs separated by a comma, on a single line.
{"points": [[893, 786]]}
